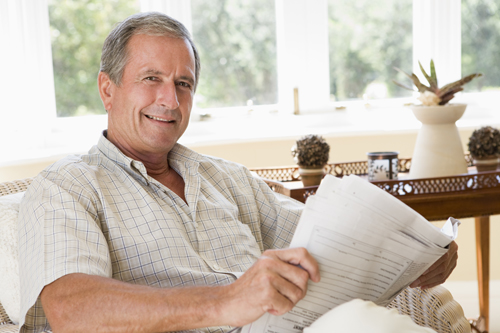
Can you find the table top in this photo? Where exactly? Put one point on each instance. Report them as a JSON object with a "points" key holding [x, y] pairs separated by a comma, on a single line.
{"points": [[467, 195]]}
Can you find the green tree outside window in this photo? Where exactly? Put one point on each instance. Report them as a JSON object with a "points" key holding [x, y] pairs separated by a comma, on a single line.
{"points": [[367, 39], [237, 44], [78, 29], [481, 43]]}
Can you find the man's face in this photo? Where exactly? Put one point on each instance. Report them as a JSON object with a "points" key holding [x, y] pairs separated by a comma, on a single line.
{"points": [[150, 110]]}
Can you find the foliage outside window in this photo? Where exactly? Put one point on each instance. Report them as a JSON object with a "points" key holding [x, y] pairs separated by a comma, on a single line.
{"points": [[237, 44], [367, 39], [78, 29], [481, 43]]}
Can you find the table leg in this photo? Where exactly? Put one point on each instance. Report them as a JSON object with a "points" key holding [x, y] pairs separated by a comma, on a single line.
{"points": [[483, 266]]}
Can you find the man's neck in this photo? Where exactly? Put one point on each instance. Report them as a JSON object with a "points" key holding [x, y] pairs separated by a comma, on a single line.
{"points": [[156, 165]]}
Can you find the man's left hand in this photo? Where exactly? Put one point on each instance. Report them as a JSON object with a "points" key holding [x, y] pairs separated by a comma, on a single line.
{"points": [[440, 270]]}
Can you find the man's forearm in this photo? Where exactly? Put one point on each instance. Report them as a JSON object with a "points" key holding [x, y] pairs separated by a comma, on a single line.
{"points": [[85, 303]]}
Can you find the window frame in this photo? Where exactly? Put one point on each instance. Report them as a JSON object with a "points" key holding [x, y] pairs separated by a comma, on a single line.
{"points": [[302, 38]]}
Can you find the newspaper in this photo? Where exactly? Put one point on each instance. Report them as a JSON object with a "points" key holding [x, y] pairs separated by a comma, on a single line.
{"points": [[368, 245]]}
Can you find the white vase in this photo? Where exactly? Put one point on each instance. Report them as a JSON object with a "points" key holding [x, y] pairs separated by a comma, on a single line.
{"points": [[438, 150]]}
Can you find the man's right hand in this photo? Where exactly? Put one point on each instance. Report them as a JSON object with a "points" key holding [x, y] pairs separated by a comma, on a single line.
{"points": [[274, 284]]}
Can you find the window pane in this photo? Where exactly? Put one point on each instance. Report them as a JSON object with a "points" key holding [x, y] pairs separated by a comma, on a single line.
{"points": [[367, 40], [237, 44], [78, 29], [481, 43]]}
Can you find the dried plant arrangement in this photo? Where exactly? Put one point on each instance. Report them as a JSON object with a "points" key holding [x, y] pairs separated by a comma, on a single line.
{"points": [[484, 142], [433, 95], [311, 151]]}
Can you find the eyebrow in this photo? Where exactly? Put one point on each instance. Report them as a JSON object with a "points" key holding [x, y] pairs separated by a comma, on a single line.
{"points": [[152, 72], [188, 78]]}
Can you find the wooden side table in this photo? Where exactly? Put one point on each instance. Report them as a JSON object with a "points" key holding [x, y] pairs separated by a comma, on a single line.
{"points": [[475, 194]]}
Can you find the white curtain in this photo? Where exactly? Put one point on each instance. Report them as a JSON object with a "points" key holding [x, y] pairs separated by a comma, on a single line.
{"points": [[27, 100]]}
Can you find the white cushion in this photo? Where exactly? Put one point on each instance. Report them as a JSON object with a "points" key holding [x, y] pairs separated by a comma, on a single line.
{"points": [[9, 266], [358, 316]]}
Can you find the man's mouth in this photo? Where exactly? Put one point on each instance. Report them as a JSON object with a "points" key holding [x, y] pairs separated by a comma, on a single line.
{"points": [[160, 119]]}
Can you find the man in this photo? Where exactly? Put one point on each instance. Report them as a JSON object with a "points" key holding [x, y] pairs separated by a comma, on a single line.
{"points": [[143, 234]]}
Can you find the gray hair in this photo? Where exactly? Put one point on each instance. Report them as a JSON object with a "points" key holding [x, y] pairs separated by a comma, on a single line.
{"points": [[114, 51]]}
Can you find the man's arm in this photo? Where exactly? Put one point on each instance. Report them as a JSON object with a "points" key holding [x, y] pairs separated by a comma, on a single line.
{"points": [[440, 270], [86, 303]]}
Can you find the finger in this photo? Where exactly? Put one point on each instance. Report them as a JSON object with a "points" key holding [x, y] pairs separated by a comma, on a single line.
{"points": [[300, 257], [281, 284], [447, 261], [446, 267], [436, 276], [286, 272], [290, 292], [278, 304], [440, 277], [447, 257], [453, 246]]}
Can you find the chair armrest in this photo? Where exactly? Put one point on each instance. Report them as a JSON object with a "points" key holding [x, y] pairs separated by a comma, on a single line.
{"points": [[6, 325], [4, 318], [434, 308]]}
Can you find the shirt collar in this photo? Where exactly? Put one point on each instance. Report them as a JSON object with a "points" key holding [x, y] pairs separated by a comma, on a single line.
{"points": [[179, 157]]}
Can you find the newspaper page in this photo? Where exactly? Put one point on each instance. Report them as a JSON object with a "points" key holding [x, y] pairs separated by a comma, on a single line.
{"points": [[368, 245]]}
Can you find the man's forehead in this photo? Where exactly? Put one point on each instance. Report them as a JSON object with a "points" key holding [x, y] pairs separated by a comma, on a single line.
{"points": [[141, 38], [175, 50]]}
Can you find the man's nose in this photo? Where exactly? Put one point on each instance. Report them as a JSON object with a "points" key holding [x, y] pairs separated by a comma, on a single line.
{"points": [[168, 96]]}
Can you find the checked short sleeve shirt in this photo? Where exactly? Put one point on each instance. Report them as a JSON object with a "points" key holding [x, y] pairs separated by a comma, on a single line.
{"points": [[102, 214]]}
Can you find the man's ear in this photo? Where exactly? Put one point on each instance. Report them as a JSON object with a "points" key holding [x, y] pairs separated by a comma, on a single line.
{"points": [[106, 90]]}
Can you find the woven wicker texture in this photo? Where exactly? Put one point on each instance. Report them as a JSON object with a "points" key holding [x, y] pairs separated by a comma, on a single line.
{"points": [[4, 319], [433, 308], [6, 188], [9, 328], [14, 186], [6, 325]]}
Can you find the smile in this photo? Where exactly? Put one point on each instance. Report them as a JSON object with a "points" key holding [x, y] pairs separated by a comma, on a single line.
{"points": [[160, 119]]}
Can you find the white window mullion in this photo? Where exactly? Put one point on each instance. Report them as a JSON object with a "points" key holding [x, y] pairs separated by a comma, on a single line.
{"points": [[302, 51], [437, 36]]}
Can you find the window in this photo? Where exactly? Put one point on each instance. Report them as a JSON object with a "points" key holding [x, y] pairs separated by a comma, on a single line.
{"points": [[481, 43], [78, 29], [367, 39], [258, 50], [237, 44], [238, 51]]}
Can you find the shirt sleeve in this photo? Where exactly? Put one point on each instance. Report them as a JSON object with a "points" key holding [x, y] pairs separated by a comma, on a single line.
{"points": [[279, 214], [59, 234]]}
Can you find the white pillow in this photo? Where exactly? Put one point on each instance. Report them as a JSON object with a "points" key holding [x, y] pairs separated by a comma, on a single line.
{"points": [[10, 296], [358, 316]]}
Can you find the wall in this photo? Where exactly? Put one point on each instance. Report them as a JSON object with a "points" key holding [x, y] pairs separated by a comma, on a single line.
{"points": [[344, 147]]}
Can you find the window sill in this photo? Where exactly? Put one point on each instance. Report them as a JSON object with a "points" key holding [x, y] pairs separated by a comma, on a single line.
{"points": [[76, 135]]}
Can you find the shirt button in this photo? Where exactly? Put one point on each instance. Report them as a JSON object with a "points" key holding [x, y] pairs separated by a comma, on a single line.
{"points": [[216, 266]]}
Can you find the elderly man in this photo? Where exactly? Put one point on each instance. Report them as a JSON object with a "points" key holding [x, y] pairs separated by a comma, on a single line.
{"points": [[143, 234]]}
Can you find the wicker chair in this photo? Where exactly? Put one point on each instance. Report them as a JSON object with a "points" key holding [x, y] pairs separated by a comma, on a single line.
{"points": [[434, 308]]}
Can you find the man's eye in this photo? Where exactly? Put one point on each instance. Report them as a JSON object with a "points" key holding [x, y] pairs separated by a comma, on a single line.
{"points": [[151, 78], [184, 84]]}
